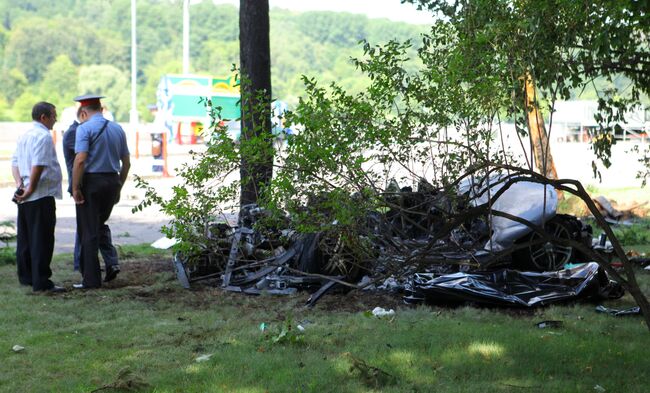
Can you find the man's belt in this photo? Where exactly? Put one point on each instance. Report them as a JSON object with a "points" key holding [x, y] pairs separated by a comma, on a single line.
{"points": [[101, 174]]}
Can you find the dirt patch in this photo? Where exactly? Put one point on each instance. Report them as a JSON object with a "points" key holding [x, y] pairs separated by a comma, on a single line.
{"points": [[142, 271], [358, 301], [152, 280]]}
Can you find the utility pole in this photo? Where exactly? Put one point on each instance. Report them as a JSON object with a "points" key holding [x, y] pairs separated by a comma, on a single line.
{"points": [[133, 115], [186, 36]]}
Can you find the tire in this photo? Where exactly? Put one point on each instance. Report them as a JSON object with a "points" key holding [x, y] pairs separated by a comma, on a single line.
{"points": [[546, 256]]}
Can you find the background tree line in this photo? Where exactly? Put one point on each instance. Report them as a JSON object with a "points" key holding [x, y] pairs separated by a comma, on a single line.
{"points": [[56, 50]]}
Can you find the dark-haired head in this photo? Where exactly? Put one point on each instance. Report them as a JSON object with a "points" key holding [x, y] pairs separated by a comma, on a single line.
{"points": [[42, 108]]}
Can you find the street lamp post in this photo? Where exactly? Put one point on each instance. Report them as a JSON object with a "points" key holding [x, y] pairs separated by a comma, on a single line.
{"points": [[133, 115]]}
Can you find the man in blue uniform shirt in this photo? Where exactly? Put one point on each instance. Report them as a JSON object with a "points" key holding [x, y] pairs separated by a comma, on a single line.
{"points": [[37, 173], [100, 168], [106, 248]]}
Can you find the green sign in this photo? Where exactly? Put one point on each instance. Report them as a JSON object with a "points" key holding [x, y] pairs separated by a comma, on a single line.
{"points": [[184, 97]]}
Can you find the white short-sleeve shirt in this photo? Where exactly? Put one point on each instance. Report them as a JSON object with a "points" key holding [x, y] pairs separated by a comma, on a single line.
{"points": [[36, 148]]}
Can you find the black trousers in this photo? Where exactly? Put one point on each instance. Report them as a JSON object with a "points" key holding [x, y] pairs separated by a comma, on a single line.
{"points": [[35, 242], [100, 193]]}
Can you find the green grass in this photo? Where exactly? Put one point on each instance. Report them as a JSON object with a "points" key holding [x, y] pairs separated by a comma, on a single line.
{"points": [[146, 324], [631, 236], [7, 255], [140, 251]]}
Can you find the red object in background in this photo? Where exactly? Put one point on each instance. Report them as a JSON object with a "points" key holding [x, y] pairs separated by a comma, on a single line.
{"points": [[137, 145], [193, 128], [179, 137], [164, 153]]}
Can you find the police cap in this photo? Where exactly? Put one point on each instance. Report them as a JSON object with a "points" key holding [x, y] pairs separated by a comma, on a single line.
{"points": [[88, 99]]}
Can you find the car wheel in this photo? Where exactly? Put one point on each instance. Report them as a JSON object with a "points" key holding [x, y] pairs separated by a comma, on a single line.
{"points": [[543, 255]]}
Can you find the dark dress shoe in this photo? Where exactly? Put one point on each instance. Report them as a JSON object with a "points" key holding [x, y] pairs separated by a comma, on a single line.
{"points": [[55, 289], [111, 272]]}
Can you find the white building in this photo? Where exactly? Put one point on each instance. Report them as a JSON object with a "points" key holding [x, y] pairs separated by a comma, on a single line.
{"points": [[573, 121]]}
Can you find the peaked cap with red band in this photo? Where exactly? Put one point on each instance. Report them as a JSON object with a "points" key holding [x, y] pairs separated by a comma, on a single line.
{"points": [[88, 99]]}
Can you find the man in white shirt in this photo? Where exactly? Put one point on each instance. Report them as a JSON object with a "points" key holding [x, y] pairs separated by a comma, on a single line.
{"points": [[37, 173]]}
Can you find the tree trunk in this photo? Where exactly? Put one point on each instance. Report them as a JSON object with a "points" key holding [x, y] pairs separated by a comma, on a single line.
{"points": [[537, 132], [255, 61]]}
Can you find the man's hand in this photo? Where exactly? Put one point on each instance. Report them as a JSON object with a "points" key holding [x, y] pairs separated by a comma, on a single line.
{"points": [[119, 194], [77, 175], [34, 178], [78, 196], [26, 193]]}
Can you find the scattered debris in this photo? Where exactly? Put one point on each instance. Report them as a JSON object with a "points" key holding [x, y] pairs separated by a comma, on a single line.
{"points": [[125, 381], [616, 214], [302, 326], [519, 385], [607, 209], [204, 358], [599, 389], [619, 313], [550, 324], [512, 288], [318, 294], [17, 348], [435, 246], [640, 259], [380, 312], [164, 243]]}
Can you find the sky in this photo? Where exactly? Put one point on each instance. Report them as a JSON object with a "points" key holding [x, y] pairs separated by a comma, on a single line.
{"points": [[389, 9]]}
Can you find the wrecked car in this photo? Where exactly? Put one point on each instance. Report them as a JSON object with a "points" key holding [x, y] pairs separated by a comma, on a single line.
{"points": [[423, 241]]}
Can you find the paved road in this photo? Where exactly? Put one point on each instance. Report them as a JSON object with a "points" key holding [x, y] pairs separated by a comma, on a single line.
{"points": [[127, 227]]}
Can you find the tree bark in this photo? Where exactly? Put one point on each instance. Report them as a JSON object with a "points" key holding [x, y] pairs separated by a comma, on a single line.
{"points": [[537, 132], [256, 141]]}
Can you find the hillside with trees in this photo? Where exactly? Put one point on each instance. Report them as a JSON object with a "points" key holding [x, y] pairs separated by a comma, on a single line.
{"points": [[56, 50]]}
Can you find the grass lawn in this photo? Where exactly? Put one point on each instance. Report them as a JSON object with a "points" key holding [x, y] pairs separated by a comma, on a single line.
{"points": [[143, 332]]}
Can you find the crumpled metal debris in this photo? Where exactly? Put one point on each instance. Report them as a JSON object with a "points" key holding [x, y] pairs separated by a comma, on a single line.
{"points": [[549, 324], [411, 247], [619, 313], [511, 288]]}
